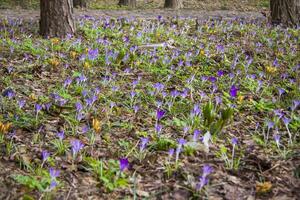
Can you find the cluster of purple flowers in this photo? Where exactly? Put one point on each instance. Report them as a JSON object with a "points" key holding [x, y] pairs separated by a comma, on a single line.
{"points": [[76, 147], [203, 180], [53, 175]]}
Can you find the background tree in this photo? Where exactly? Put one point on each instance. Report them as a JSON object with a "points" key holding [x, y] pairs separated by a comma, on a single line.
{"points": [[175, 4], [79, 3], [130, 3], [56, 18], [285, 12]]}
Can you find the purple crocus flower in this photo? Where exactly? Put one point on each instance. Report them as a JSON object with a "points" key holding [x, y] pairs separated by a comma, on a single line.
{"points": [[159, 86], [270, 124], [181, 142], [284, 75], [171, 152], [218, 100], [196, 110], [97, 91], [124, 164], [126, 39], [188, 63], [136, 108], [94, 98], [278, 113], [38, 108], [196, 135], [62, 102], [184, 94], [21, 103], [67, 82], [115, 88], [275, 62], [53, 184], [85, 129], [81, 79], [112, 104], [8, 93], [61, 135], [10, 69], [160, 114], [186, 129], [143, 143], [286, 120], [203, 180], [250, 60], [159, 104], [253, 76], [233, 91], [277, 138], [89, 102], [214, 88], [48, 106], [78, 106], [207, 169], [45, 155], [174, 93], [54, 173], [281, 91], [132, 94], [84, 93], [76, 146], [204, 78], [220, 48], [93, 54], [80, 116], [158, 128], [180, 63], [220, 73], [55, 97], [212, 79], [234, 141], [202, 94], [135, 83]]}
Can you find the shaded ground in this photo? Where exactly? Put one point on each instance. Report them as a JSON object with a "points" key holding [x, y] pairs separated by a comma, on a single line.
{"points": [[244, 5], [148, 14]]}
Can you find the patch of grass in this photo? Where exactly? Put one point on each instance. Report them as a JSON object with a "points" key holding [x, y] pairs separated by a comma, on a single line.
{"points": [[263, 4], [25, 4]]}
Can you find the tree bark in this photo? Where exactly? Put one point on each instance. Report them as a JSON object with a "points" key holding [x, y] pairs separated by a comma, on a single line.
{"points": [[79, 3], [56, 18], [285, 12], [130, 3], [175, 4]]}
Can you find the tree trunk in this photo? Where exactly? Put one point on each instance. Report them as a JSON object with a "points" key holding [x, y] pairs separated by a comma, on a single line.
{"points": [[175, 4], [285, 12], [56, 18], [79, 3], [130, 3]]}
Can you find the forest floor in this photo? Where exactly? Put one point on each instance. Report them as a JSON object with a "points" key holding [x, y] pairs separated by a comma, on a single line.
{"points": [[103, 63], [144, 13], [241, 5]]}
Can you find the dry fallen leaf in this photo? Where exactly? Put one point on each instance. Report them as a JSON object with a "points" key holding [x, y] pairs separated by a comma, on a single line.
{"points": [[263, 187]]}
